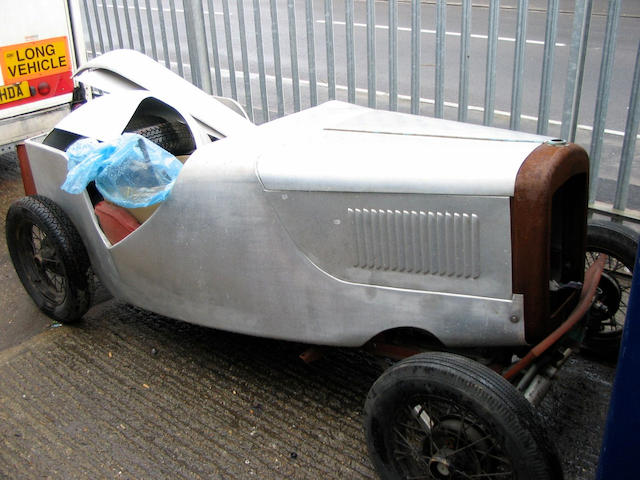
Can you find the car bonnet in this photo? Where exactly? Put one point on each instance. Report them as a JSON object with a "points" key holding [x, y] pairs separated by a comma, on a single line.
{"points": [[343, 147]]}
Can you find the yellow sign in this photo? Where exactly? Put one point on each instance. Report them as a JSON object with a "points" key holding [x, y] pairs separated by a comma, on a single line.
{"points": [[34, 59], [17, 91]]}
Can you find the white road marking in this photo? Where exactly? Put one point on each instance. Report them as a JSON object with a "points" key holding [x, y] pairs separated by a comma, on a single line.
{"points": [[452, 34]]}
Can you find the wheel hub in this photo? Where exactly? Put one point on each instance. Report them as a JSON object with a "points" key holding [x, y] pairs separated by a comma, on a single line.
{"points": [[609, 296], [454, 441], [439, 464]]}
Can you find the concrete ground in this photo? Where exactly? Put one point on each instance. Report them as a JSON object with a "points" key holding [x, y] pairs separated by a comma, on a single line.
{"points": [[129, 394]]}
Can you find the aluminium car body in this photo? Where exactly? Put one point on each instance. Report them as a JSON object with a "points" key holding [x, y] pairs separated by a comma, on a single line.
{"points": [[332, 225]]}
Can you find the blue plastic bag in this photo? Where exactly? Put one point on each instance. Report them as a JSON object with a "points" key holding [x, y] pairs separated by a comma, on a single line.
{"points": [[129, 171]]}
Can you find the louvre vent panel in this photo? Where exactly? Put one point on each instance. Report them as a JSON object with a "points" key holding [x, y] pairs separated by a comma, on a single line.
{"points": [[437, 243]]}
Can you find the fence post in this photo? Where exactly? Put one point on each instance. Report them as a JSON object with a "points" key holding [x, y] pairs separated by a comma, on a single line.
{"points": [[518, 65], [573, 88], [629, 142], [196, 38], [441, 28], [371, 53], [602, 97], [416, 22], [551, 30], [465, 40]]}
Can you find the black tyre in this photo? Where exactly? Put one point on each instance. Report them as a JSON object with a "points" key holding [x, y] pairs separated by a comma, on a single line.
{"points": [[442, 416], [606, 318], [49, 257], [174, 137]]}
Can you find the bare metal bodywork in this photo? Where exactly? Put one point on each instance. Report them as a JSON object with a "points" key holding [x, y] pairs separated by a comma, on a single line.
{"points": [[328, 226]]}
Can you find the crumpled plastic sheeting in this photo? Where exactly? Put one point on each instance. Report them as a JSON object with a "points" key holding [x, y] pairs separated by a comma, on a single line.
{"points": [[129, 171]]}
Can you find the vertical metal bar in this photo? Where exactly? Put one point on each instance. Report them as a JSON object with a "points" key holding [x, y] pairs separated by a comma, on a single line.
{"points": [[602, 97], [351, 57], [575, 73], [441, 30], [196, 38], [229, 43], [518, 64], [257, 20], [551, 30], [293, 47], [371, 53], [465, 37], [214, 47], [629, 142], [163, 33], [150, 26], [311, 54], [87, 18], [490, 75], [117, 18], [107, 24], [98, 28], [200, 45], [415, 56], [393, 54], [136, 6], [176, 38], [194, 59], [79, 42], [328, 33], [275, 37], [246, 74], [127, 19]]}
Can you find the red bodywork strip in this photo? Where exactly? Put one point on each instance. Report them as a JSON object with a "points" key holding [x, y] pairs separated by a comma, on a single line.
{"points": [[25, 170]]}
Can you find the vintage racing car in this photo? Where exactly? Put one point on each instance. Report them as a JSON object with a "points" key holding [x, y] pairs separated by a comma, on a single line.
{"points": [[458, 248]]}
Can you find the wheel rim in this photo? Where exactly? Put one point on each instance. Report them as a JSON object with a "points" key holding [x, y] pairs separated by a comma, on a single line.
{"points": [[435, 438], [44, 268], [614, 289]]}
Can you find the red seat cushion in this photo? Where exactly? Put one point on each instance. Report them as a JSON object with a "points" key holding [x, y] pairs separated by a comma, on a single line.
{"points": [[116, 222]]}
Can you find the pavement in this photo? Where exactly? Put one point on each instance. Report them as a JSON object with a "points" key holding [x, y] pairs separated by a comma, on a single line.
{"points": [[126, 393]]}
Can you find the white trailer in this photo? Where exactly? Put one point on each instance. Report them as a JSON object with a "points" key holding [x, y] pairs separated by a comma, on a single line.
{"points": [[40, 46]]}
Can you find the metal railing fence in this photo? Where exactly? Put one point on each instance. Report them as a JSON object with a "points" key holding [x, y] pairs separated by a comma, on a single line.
{"points": [[397, 55]]}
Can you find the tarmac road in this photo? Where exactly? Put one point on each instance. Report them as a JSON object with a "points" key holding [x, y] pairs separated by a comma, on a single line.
{"points": [[129, 394]]}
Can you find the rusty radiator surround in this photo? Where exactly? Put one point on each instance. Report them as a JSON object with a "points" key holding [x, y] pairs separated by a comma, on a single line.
{"points": [[548, 169]]}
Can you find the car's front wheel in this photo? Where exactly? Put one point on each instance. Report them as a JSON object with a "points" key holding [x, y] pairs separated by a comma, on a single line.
{"points": [[442, 416], [49, 257], [607, 317]]}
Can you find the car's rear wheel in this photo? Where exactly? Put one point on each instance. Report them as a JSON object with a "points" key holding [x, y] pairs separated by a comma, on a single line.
{"points": [[49, 257], [442, 416], [607, 317]]}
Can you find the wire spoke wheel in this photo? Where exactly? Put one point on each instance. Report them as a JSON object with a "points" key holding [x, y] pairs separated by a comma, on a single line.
{"points": [[43, 265], [607, 316], [49, 257], [435, 438], [445, 417], [446, 441], [613, 295]]}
